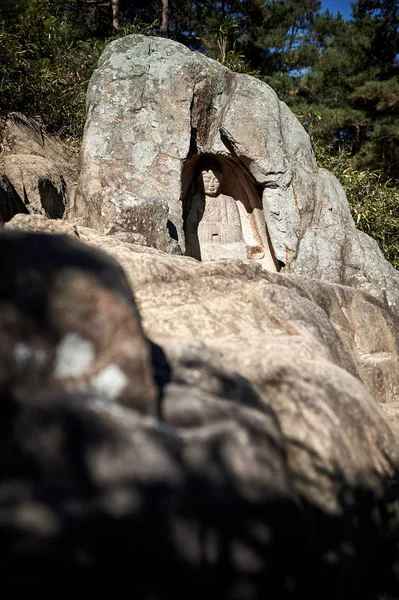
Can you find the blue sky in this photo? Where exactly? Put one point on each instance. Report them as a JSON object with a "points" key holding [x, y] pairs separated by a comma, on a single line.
{"points": [[343, 6]]}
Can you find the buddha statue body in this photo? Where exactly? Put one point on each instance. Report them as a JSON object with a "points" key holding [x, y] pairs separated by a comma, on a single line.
{"points": [[213, 224]]}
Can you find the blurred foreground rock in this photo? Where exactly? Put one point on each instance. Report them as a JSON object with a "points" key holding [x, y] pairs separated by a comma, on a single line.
{"points": [[260, 466]]}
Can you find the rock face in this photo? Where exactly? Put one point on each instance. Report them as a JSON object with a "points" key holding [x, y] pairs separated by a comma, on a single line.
{"points": [[226, 430], [156, 110], [57, 300], [267, 468], [40, 169]]}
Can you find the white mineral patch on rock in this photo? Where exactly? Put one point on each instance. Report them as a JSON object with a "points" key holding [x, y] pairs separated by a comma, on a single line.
{"points": [[110, 381], [74, 356]]}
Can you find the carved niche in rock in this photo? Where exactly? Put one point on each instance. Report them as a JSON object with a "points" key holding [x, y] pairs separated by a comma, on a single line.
{"points": [[223, 215]]}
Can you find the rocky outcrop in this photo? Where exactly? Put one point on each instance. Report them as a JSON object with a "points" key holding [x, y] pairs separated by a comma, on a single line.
{"points": [[40, 168], [228, 430], [57, 300], [156, 110], [361, 329], [262, 452]]}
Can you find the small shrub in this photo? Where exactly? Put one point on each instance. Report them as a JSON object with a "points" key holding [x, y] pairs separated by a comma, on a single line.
{"points": [[374, 203]]}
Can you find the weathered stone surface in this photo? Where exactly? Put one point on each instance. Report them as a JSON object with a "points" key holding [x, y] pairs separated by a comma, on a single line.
{"points": [[361, 328], [155, 109], [240, 443], [268, 467], [39, 183], [69, 322], [42, 170], [40, 224], [98, 489]]}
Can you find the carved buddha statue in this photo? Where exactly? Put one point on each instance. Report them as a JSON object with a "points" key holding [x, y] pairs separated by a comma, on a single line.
{"points": [[213, 223]]}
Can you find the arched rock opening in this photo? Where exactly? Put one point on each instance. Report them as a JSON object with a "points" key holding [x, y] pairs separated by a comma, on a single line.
{"points": [[222, 213]]}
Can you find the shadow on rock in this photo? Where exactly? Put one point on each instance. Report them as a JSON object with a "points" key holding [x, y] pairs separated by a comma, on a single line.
{"points": [[97, 499], [100, 493]]}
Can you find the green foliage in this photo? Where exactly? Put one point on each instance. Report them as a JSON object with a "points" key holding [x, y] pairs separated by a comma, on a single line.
{"points": [[44, 65], [227, 49], [374, 202], [353, 84], [47, 55], [278, 36]]}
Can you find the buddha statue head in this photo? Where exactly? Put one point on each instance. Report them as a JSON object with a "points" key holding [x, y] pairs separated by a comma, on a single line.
{"points": [[211, 176]]}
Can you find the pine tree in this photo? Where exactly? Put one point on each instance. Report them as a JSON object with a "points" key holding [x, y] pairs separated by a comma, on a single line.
{"points": [[351, 95]]}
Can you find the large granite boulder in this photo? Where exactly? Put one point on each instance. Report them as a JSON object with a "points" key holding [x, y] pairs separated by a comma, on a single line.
{"points": [[361, 329], [227, 430], [57, 300], [266, 468], [160, 115]]}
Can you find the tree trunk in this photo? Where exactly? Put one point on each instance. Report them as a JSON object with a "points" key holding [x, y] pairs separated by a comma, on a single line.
{"points": [[165, 18], [115, 10]]}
